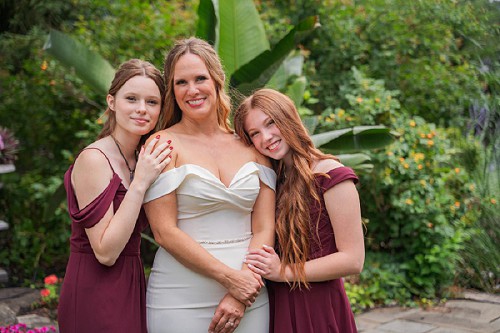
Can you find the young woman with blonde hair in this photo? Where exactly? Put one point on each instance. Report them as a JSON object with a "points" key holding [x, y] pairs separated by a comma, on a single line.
{"points": [[319, 236]]}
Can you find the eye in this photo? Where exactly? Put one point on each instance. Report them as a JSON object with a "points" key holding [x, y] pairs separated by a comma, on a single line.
{"points": [[201, 78], [131, 98], [153, 102], [270, 122], [252, 134], [180, 82]]}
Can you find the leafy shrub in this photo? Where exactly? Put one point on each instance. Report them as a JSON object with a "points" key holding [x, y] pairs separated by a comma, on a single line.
{"points": [[423, 203]]}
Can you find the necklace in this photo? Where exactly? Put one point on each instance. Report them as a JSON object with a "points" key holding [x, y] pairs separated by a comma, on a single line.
{"points": [[131, 171]]}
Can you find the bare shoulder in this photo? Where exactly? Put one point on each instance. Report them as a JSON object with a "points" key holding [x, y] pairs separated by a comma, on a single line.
{"points": [[165, 135], [254, 154], [93, 157], [323, 166]]}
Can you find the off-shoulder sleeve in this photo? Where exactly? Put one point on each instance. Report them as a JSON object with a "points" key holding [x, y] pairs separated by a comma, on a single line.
{"points": [[267, 176], [336, 176], [166, 183], [95, 210]]}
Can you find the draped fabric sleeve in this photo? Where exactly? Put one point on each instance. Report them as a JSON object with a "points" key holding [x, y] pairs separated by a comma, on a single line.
{"points": [[336, 176], [166, 183], [267, 176], [91, 214]]}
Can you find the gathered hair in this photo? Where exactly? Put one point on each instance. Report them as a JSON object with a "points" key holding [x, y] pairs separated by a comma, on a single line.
{"points": [[126, 71], [206, 52], [296, 189]]}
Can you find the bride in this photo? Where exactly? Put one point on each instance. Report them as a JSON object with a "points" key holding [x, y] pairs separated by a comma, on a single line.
{"points": [[212, 203]]}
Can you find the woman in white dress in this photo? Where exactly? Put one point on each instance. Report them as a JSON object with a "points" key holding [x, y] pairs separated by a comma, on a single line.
{"points": [[212, 203]]}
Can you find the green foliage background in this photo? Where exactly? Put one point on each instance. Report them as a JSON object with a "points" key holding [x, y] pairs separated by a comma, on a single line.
{"points": [[427, 69]]}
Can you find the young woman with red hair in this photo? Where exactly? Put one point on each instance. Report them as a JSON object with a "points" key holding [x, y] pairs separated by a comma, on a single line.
{"points": [[319, 237]]}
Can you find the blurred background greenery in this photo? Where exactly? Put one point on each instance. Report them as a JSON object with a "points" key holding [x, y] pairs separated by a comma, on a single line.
{"points": [[427, 70]]}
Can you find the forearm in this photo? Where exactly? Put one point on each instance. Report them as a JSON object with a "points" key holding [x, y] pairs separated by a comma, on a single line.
{"points": [[330, 267], [116, 234], [192, 255]]}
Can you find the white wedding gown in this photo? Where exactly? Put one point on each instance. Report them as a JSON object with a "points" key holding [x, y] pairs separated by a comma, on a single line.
{"points": [[219, 218]]}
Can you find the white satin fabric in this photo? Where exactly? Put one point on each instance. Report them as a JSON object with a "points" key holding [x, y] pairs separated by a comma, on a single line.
{"points": [[219, 218]]}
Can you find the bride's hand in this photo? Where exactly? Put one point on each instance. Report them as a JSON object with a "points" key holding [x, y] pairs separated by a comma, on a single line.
{"points": [[227, 316], [244, 285]]}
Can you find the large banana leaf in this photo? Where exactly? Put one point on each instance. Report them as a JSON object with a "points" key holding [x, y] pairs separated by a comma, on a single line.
{"points": [[257, 72], [206, 27], [354, 139], [89, 66], [359, 162]]}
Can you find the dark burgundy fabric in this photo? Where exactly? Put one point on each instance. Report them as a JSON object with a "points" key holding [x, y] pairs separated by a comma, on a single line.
{"points": [[95, 297], [324, 308]]}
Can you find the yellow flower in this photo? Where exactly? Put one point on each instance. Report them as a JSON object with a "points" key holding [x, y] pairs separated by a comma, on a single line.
{"points": [[430, 225], [401, 159], [390, 153], [359, 100], [418, 157], [377, 100], [44, 65], [430, 136], [406, 166], [341, 113], [423, 182], [422, 135], [457, 170], [99, 121], [493, 201], [409, 202], [457, 204], [348, 118], [332, 115], [430, 143], [420, 167], [472, 187], [413, 123]]}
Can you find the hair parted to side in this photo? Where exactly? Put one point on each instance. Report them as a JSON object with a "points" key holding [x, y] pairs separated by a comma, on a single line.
{"points": [[126, 71], [206, 52], [293, 223]]}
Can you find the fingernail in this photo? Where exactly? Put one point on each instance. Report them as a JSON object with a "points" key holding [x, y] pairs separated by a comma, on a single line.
{"points": [[171, 147], [169, 141], [264, 245], [158, 136]]}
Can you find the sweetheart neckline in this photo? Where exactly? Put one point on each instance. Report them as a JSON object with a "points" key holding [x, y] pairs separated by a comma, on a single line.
{"points": [[212, 175]]}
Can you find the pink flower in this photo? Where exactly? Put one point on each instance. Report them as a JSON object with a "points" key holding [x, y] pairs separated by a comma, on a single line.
{"points": [[51, 279]]}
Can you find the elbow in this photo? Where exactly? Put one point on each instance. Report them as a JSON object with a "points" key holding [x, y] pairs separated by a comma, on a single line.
{"points": [[358, 264], [106, 260]]}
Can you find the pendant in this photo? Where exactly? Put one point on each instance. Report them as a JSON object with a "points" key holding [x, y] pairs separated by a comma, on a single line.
{"points": [[131, 176]]}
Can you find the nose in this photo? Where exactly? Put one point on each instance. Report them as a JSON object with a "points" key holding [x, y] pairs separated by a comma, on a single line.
{"points": [[192, 89], [141, 108], [266, 135]]}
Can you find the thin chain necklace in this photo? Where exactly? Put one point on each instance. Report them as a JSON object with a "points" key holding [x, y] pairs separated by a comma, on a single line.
{"points": [[131, 171]]}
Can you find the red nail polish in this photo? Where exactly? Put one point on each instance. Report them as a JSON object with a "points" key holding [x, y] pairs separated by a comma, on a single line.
{"points": [[169, 141], [158, 136], [171, 148]]}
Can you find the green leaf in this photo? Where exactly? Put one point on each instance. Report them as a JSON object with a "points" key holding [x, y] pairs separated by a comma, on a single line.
{"points": [[354, 139], [291, 66], [89, 66], [207, 21], [241, 33], [359, 162], [258, 72]]}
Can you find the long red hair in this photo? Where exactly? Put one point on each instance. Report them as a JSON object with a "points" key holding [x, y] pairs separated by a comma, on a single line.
{"points": [[296, 186]]}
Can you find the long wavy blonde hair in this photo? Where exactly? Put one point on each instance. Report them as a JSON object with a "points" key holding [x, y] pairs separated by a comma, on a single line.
{"points": [[206, 52], [296, 186]]}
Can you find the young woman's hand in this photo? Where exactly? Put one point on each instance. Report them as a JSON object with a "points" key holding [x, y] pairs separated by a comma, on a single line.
{"points": [[265, 262], [152, 160]]}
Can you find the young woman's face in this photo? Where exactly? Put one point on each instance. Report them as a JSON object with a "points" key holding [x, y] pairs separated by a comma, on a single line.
{"points": [[266, 136], [194, 88], [137, 105]]}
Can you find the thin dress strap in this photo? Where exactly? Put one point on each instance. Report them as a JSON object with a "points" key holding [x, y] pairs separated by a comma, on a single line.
{"points": [[109, 162]]}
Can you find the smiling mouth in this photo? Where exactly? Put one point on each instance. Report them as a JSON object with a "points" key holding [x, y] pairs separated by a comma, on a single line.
{"points": [[274, 145], [196, 102]]}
